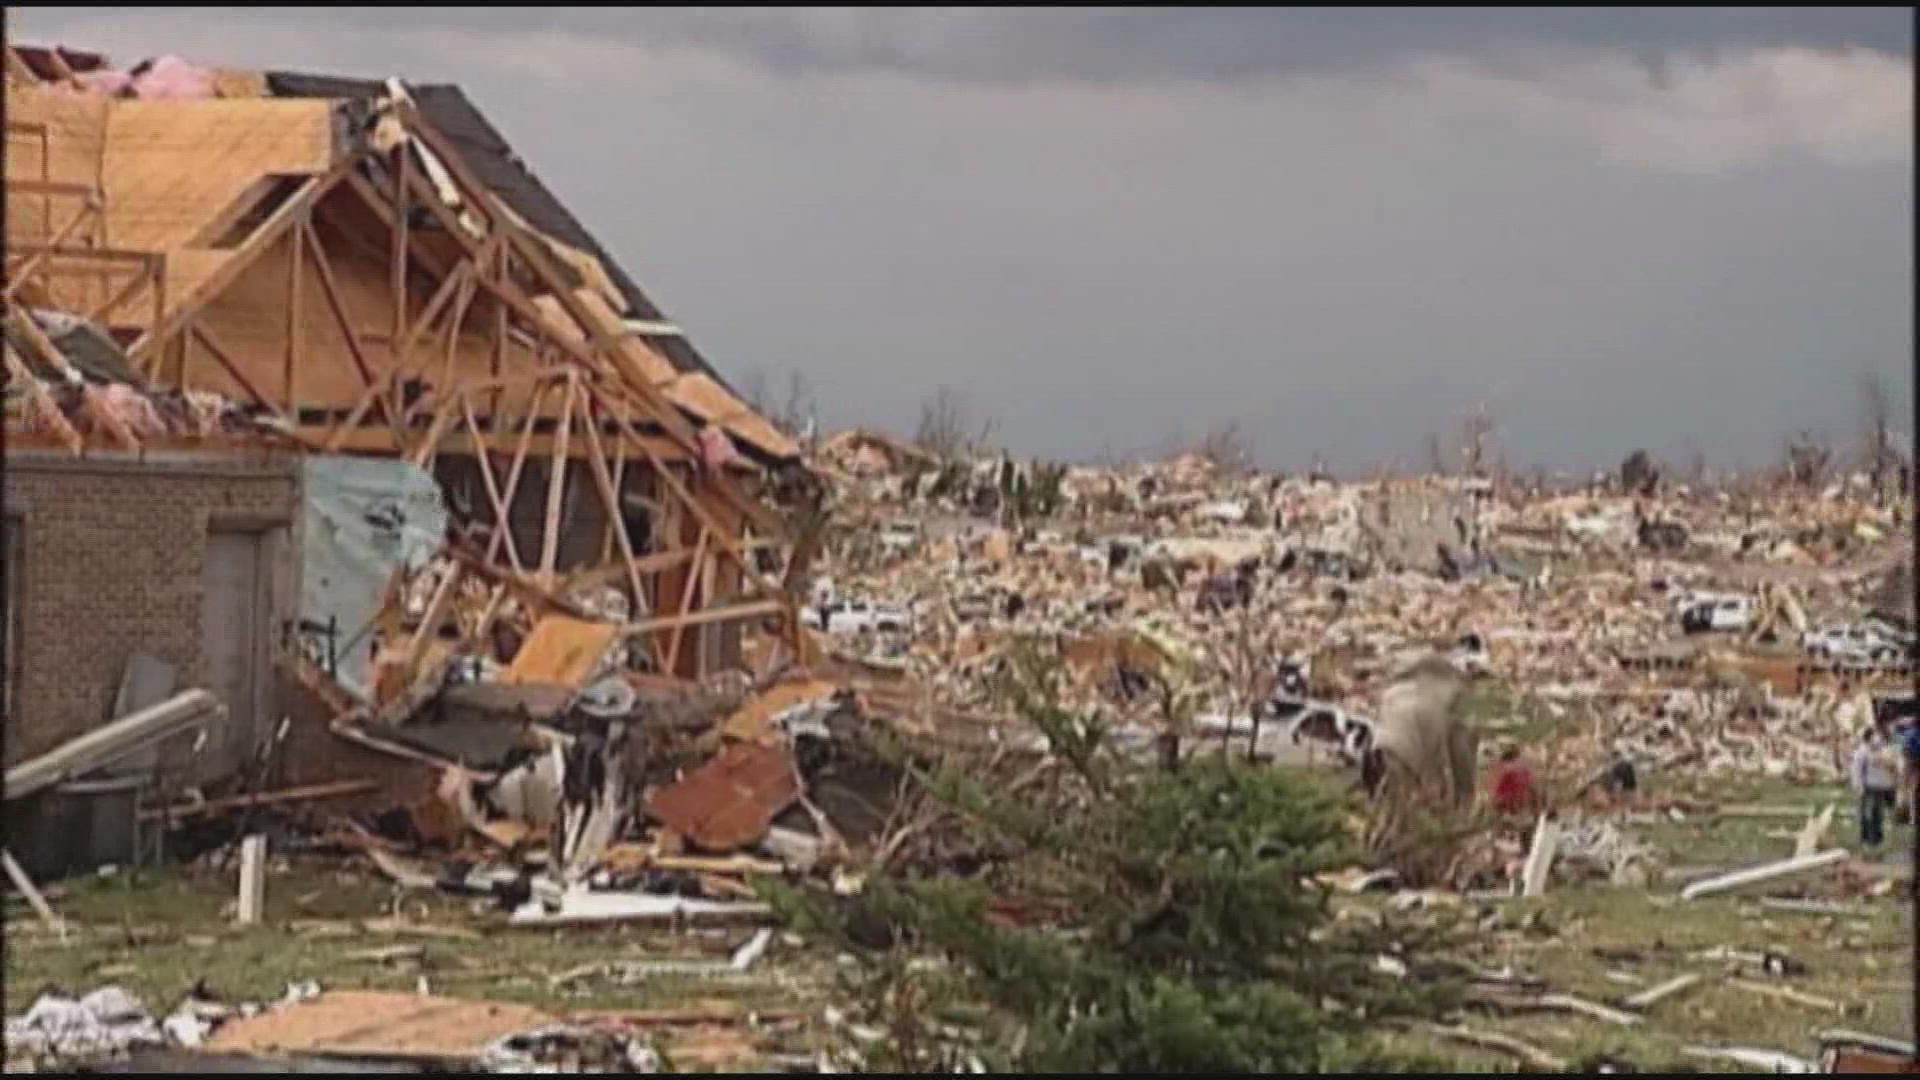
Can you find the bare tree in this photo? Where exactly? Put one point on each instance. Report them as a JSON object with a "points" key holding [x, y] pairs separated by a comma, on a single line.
{"points": [[1227, 447], [797, 406], [1638, 473], [1475, 430], [1876, 417], [946, 427], [1436, 456], [753, 390], [1808, 458]]}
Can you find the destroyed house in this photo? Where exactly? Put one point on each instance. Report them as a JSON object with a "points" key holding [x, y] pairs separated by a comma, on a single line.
{"points": [[311, 383]]}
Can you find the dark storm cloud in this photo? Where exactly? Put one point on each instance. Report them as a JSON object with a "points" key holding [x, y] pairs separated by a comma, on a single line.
{"points": [[1131, 44], [1108, 227]]}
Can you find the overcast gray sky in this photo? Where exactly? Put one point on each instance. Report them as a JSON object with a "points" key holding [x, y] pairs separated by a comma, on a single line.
{"points": [[1684, 229]]}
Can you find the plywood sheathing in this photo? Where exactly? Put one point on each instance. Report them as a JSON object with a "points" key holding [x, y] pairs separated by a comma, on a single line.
{"points": [[380, 1024], [561, 651], [171, 167], [55, 136]]}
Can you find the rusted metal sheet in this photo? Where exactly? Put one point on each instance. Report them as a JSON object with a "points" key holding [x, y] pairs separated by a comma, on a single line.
{"points": [[731, 800]]}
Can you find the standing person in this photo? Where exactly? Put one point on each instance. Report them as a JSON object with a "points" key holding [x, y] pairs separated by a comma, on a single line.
{"points": [[1872, 772], [1910, 766], [1512, 789]]}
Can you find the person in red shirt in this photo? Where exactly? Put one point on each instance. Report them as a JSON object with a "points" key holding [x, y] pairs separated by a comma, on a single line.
{"points": [[1513, 787]]}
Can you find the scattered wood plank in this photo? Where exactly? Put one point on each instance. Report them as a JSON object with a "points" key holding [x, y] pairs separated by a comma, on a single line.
{"points": [[1796, 906], [1787, 993], [34, 898], [1564, 1003], [389, 925], [1645, 999], [720, 1012], [1763, 872], [1531, 1056], [403, 872], [386, 954]]}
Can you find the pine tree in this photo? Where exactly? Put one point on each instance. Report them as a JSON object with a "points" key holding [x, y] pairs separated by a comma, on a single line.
{"points": [[1122, 916]]}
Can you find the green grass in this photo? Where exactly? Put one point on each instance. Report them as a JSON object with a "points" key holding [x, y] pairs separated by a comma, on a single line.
{"points": [[157, 933], [1859, 960]]}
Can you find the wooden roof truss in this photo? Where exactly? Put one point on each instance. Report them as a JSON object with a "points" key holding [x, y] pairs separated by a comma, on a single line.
{"points": [[562, 386]]}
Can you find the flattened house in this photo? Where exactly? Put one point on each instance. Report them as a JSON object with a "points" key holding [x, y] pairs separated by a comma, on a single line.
{"points": [[235, 299]]}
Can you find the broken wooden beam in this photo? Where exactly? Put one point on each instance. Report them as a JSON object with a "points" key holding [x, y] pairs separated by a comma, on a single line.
{"points": [[77, 757], [1763, 872], [239, 802]]}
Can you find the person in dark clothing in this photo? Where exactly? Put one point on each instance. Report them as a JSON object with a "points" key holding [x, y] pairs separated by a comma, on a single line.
{"points": [[1909, 768]]}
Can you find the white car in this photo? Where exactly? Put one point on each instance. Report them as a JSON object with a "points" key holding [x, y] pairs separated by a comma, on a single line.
{"points": [[858, 616], [1853, 643], [1725, 613]]}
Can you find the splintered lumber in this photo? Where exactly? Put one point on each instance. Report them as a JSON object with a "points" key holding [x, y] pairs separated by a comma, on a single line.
{"points": [[1531, 1056], [1763, 872], [1645, 999], [1546, 844], [181, 712]]}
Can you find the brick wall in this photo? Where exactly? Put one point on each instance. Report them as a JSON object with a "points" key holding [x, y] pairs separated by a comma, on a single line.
{"points": [[111, 556]]}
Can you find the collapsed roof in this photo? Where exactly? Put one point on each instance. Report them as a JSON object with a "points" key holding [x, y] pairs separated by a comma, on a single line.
{"points": [[168, 169]]}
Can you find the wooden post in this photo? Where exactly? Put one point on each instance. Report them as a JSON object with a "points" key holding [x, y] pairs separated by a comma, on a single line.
{"points": [[397, 268], [519, 462], [1546, 843], [556, 484], [296, 248], [253, 879], [331, 290], [481, 458], [694, 579]]}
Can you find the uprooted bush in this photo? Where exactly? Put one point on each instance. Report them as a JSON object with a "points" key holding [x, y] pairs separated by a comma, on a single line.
{"points": [[1129, 916]]}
